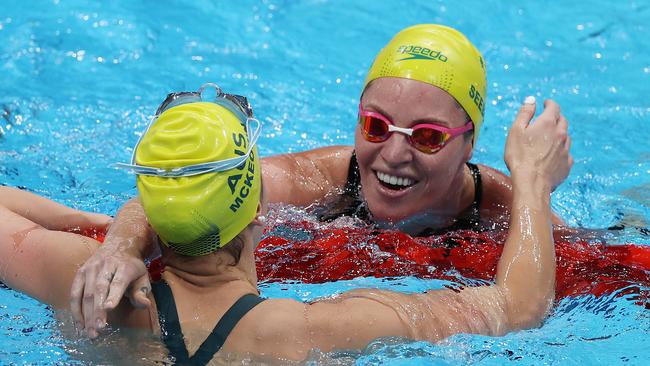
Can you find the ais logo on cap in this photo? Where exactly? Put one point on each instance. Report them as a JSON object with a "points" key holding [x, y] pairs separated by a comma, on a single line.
{"points": [[234, 179], [421, 53]]}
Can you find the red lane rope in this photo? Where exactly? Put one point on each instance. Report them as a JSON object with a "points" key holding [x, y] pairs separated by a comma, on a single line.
{"points": [[333, 254], [341, 254]]}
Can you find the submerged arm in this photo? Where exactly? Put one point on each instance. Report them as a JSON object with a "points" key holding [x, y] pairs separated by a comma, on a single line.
{"points": [[49, 214]]}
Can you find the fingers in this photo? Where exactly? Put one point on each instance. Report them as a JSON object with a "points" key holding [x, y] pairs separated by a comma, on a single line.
{"points": [[98, 288], [139, 291], [103, 281], [118, 287], [552, 110], [565, 139], [562, 123], [76, 293], [88, 304], [526, 113], [131, 272]]}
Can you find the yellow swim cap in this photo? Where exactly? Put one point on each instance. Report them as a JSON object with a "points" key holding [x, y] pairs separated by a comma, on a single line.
{"points": [[440, 56], [198, 214]]}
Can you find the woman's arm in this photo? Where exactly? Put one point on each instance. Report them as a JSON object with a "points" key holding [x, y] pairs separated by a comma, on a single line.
{"points": [[538, 157], [38, 261], [49, 214], [41, 262]]}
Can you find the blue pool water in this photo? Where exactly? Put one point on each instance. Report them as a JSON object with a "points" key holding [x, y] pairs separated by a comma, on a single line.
{"points": [[78, 80]]}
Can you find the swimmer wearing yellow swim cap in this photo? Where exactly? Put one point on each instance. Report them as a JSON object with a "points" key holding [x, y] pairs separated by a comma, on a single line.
{"points": [[420, 114], [198, 172]]}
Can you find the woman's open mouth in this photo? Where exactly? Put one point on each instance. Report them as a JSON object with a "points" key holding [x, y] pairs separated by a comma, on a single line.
{"points": [[394, 182]]}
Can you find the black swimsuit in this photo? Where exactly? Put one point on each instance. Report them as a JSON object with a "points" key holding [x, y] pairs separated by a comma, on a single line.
{"points": [[350, 202], [170, 327]]}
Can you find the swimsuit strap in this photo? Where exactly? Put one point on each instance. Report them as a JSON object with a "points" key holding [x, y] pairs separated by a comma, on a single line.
{"points": [[220, 333], [478, 188], [170, 327], [354, 177], [349, 202], [172, 335], [470, 218]]}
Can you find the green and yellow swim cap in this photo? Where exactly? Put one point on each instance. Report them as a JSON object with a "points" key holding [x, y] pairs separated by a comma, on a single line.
{"points": [[198, 214], [440, 56]]}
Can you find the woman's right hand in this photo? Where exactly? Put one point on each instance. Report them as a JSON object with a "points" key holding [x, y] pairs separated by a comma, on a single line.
{"points": [[538, 152], [115, 270]]}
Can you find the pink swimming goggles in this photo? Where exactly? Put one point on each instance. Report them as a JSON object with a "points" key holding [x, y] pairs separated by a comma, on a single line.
{"points": [[425, 137]]}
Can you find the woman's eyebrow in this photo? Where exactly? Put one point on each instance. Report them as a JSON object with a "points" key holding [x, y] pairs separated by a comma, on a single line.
{"points": [[379, 110], [432, 120], [424, 120]]}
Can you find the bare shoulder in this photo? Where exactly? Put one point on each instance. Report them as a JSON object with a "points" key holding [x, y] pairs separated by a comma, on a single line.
{"points": [[305, 177], [497, 195], [497, 191], [333, 158], [334, 162], [349, 322], [276, 328]]}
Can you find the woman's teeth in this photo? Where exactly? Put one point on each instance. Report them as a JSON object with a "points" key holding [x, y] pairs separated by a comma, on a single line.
{"points": [[393, 180]]}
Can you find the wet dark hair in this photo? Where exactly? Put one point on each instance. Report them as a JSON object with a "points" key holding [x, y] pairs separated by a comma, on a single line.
{"points": [[234, 248]]}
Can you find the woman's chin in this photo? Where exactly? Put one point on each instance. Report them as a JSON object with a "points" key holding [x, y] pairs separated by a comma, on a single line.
{"points": [[389, 216]]}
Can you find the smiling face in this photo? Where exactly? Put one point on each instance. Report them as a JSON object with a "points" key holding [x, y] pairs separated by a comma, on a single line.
{"points": [[398, 181]]}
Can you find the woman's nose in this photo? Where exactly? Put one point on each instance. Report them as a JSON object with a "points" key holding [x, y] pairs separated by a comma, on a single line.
{"points": [[397, 150]]}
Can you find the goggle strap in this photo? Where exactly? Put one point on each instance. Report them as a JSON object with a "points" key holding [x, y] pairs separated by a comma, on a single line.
{"points": [[406, 131], [196, 169], [191, 97], [139, 169]]}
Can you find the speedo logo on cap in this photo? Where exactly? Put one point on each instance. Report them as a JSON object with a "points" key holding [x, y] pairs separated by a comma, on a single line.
{"points": [[421, 53]]}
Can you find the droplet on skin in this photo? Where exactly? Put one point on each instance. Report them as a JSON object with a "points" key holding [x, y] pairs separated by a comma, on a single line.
{"points": [[20, 236]]}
